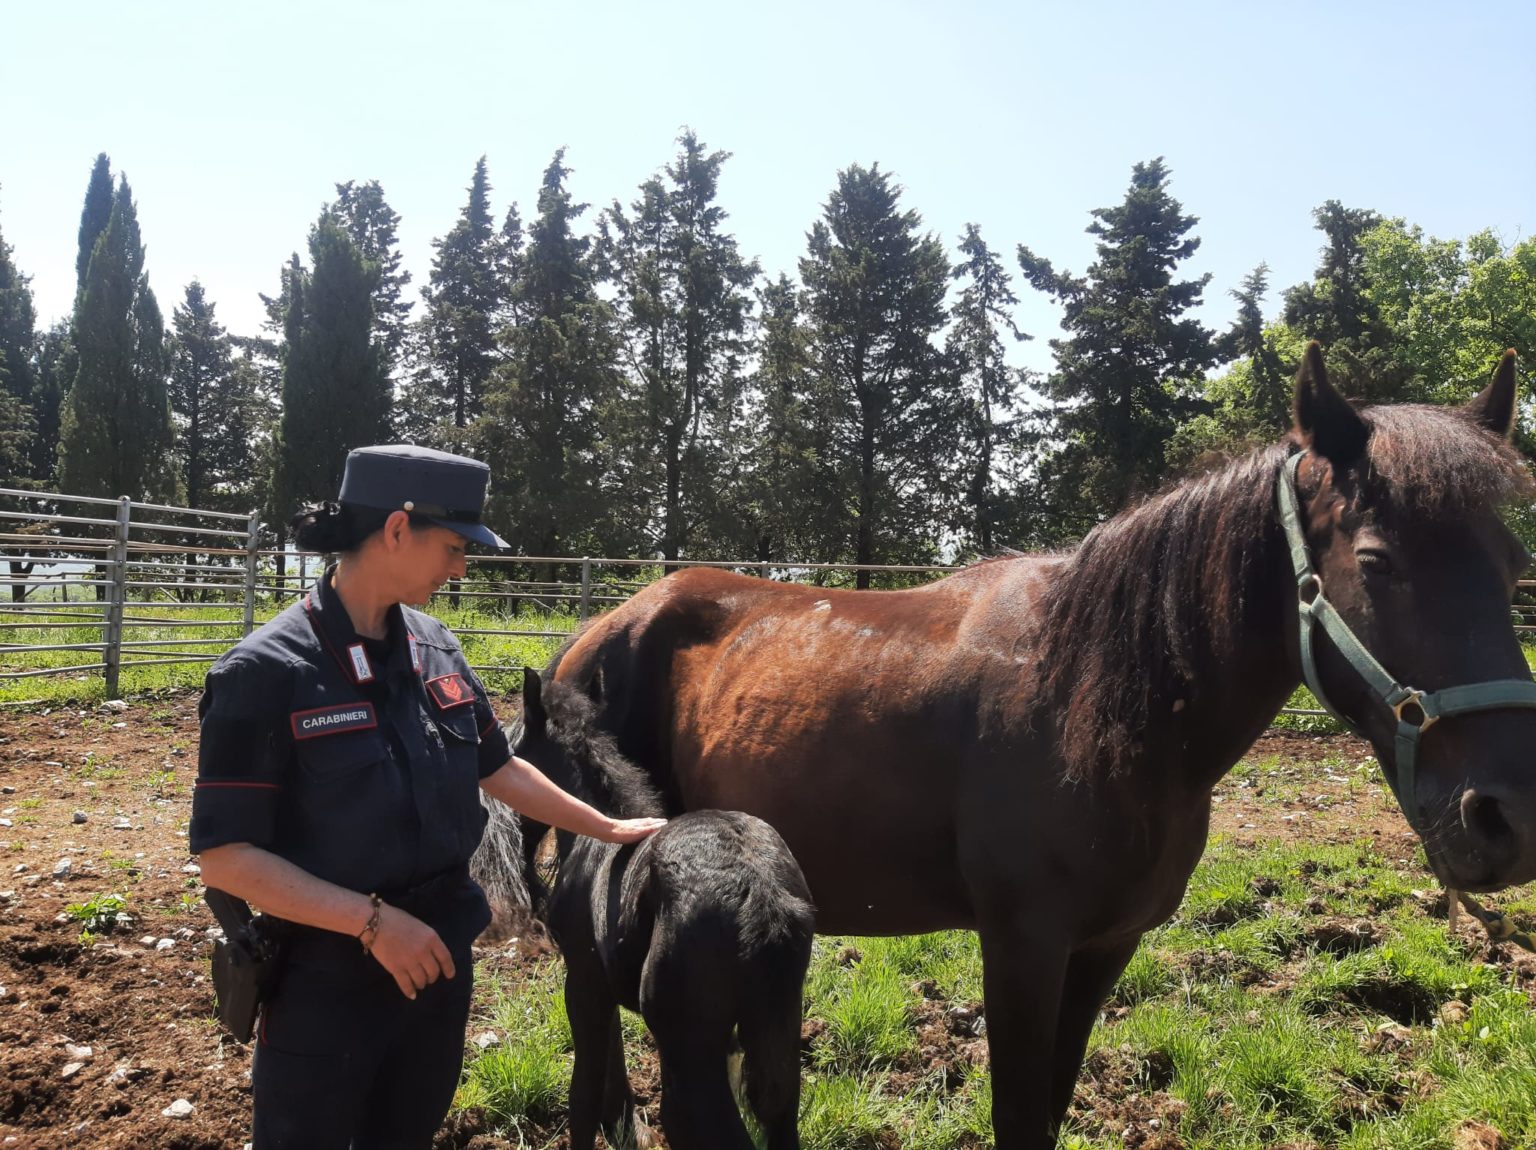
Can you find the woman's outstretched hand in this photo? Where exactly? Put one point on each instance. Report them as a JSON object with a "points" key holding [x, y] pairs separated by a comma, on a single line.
{"points": [[631, 830]]}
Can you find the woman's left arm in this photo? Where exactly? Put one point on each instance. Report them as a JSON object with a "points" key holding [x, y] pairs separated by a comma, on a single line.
{"points": [[525, 788]]}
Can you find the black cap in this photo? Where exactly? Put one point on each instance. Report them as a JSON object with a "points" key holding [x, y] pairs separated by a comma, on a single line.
{"points": [[447, 489]]}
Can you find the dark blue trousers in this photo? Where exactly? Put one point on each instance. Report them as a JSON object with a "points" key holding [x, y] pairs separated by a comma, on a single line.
{"points": [[344, 1061]]}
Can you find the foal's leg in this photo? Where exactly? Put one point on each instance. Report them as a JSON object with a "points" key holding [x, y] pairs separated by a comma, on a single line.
{"points": [[1024, 967], [595, 1097], [1091, 976], [698, 1107]]}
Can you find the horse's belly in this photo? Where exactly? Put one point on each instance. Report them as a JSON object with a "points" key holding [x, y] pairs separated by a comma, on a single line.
{"points": [[879, 856]]}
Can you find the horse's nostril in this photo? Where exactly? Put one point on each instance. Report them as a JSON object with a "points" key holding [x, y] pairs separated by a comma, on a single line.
{"points": [[1483, 818]]}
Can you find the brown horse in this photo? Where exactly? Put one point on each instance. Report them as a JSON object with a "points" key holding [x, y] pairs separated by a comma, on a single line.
{"points": [[1028, 747]]}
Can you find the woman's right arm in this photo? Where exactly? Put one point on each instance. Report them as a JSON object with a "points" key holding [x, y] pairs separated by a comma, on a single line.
{"points": [[404, 945]]}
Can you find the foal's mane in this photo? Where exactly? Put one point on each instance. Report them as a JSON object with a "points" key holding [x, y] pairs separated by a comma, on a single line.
{"points": [[1162, 591], [604, 777]]}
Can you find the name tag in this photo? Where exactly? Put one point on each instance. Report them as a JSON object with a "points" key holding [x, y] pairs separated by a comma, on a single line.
{"points": [[333, 720], [362, 670], [450, 690]]}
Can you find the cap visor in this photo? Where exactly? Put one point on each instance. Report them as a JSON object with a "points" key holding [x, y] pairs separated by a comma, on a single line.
{"points": [[474, 532]]}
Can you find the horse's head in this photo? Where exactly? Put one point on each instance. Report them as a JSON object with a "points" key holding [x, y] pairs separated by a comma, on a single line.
{"points": [[1399, 510]]}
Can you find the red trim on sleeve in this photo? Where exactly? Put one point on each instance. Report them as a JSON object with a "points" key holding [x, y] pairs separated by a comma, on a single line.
{"points": [[257, 786]]}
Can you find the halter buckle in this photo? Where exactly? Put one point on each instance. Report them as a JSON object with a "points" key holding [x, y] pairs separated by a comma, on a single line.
{"points": [[1415, 700], [1310, 588]]}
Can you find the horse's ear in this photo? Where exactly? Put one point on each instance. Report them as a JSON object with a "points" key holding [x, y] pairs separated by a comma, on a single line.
{"points": [[1494, 406], [533, 702], [1325, 421]]}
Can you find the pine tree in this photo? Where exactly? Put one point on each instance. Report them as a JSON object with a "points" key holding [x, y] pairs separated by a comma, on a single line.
{"points": [[94, 216], [875, 294], [465, 300], [372, 223], [18, 373], [982, 315], [115, 435], [214, 399], [1130, 370], [683, 304], [546, 401], [335, 394], [1336, 308]]}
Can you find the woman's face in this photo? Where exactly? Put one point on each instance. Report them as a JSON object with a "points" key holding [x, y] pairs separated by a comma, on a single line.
{"points": [[423, 560]]}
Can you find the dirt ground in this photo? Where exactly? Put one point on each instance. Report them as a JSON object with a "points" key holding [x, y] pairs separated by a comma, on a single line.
{"points": [[106, 1037]]}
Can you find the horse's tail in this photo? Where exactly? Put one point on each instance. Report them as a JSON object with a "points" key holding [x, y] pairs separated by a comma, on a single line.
{"points": [[503, 864], [499, 864]]}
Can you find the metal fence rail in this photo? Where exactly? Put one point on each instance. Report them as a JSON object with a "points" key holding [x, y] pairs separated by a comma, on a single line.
{"points": [[123, 580]]}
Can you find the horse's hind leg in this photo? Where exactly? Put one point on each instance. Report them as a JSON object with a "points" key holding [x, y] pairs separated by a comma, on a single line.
{"points": [[599, 1087]]}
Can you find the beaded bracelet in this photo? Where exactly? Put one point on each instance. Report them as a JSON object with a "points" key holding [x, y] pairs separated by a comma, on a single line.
{"points": [[371, 930]]}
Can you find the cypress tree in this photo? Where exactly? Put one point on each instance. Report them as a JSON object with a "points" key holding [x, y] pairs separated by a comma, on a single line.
{"points": [[874, 289], [367, 217], [546, 401], [18, 373], [115, 434], [94, 216], [215, 404], [456, 337], [335, 394], [1130, 370], [683, 304]]}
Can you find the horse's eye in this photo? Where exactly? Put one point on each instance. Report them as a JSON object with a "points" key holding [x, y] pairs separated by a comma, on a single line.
{"points": [[1374, 562]]}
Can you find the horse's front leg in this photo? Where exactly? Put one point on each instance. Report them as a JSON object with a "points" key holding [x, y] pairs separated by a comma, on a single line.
{"points": [[1024, 969], [597, 1099], [1091, 975]]}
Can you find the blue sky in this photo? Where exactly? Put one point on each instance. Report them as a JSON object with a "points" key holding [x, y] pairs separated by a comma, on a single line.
{"points": [[233, 122]]}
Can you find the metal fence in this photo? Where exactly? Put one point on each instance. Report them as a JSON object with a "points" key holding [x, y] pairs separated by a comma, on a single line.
{"points": [[133, 574]]}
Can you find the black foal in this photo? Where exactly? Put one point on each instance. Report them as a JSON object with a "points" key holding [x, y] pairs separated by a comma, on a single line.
{"points": [[704, 929]]}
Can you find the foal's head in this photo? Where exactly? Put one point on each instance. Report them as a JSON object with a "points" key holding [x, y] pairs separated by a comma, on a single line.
{"points": [[560, 735], [1400, 510]]}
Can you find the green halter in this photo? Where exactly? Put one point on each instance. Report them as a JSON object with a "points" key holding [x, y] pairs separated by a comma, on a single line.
{"points": [[1416, 711]]}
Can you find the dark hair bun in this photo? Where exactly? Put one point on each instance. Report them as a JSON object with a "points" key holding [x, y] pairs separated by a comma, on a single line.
{"points": [[340, 528], [323, 527]]}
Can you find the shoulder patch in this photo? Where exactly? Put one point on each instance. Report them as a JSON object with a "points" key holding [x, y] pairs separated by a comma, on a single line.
{"points": [[450, 690], [332, 720]]}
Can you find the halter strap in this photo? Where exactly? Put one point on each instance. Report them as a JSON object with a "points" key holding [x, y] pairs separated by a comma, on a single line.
{"points": [[1416, 711]]}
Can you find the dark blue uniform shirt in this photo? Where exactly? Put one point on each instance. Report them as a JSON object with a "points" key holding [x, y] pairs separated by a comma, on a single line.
{"points": [[357, 761]]}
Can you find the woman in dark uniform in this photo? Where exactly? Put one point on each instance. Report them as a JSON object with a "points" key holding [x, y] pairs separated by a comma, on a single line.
{"points": [[343, 746]]}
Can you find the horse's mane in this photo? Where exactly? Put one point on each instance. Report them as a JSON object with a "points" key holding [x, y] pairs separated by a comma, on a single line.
{"points": [[604, 777], [1155, 592]]}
